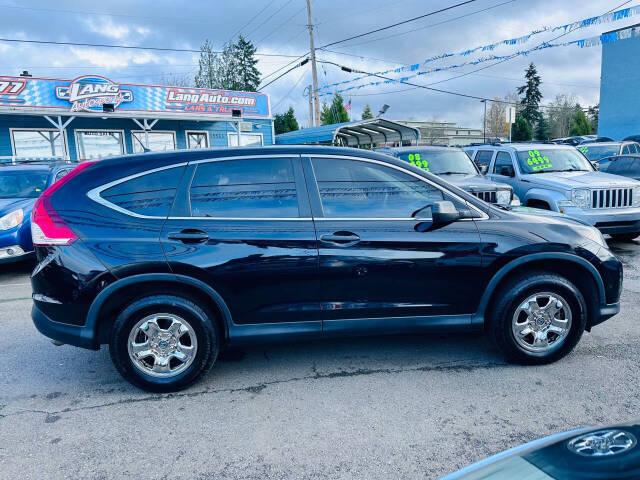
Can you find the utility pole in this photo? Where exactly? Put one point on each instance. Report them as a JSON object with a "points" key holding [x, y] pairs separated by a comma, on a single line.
{"points": [[484, 128], [310, 92], [314, 70]]}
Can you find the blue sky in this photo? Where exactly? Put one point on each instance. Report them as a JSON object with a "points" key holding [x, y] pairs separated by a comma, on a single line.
{"points": [[281, 29]]}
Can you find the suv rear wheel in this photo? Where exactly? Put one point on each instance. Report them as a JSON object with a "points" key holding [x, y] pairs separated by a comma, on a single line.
{"points": [[164, 343], [538, 319]]}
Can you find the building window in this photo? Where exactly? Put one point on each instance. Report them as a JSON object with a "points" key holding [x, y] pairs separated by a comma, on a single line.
{"points": [[197, 139], [34, 142], [99, 143], [246, 139], [158, 141]]}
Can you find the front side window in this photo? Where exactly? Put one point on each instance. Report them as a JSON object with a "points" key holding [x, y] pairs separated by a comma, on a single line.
{"points": [[151, 194], [158, 141], [357, 189], [38, 143], [595, 152], [440, 162], [252, 188], [483, 157], [99, 144], [22, 184], [553, 160], [503, 164]]}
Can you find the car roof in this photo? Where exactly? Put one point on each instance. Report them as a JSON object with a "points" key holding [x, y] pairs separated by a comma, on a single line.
{"points": [[158, 159], [34, 166], [519, 147], [417, 147], [605, 144]]}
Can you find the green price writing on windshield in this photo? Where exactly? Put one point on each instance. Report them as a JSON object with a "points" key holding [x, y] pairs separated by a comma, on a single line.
{"points": [[584, 149], [537, 161], [415, 160]]}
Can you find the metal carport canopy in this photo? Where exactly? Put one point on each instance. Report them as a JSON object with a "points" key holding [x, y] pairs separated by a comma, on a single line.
{"points": [[352, 134]]}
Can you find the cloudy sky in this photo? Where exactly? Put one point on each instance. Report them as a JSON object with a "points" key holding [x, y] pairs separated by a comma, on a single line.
{"points": [[278, 27]]}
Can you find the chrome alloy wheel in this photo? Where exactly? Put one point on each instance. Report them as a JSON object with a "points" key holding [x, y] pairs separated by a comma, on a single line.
{"points": [[162, 345], [602, 443], [542, 322]]}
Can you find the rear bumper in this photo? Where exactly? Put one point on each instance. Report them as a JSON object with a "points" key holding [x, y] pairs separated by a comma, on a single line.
{"points": [[69, 334]]}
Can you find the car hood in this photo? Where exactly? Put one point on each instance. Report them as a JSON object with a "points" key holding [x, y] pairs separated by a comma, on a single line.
{"points": [[8, 205], [474, 183], [570, 180]]}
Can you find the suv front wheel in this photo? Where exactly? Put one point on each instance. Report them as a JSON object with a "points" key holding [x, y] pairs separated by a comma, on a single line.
{"points": [[164, 343], [538, 318]]}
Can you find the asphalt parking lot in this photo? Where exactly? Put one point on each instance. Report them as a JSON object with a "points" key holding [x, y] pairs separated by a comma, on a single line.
{"points": [[399, 407]]}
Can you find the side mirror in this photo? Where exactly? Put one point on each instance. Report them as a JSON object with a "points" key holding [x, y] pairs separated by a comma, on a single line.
{"points": [[507, 172], [442, 214], [483, 169], [596, 165]]}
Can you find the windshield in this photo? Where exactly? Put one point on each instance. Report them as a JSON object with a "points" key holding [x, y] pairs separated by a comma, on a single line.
{"points": [[441, 162], [553, 160], [21, 184], [595, 152]]}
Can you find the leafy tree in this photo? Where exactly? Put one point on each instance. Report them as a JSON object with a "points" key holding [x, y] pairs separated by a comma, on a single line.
{"points": [[543, 129], [592, 114], [521, 129], [247, 76], [334, 113], [580, 124], [233, 69], [366, 113], [497, 119], [285, 122], [532, 95], [561, 115]]}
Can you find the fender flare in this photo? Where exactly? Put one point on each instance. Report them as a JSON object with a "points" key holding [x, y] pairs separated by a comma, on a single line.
{"points": [[94, 311], [549, 197], [477, 319]]}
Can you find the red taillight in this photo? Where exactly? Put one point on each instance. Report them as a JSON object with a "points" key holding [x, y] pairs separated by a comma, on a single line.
{"points": [[47, 226]]}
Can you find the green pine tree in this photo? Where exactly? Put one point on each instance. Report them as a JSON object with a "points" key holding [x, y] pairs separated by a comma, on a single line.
{"points": [[580, 124], [247, 74], [366, 113], [592, 114], [521, 129], [285, 122], [543, 129], [532, 95], [334, 113]]}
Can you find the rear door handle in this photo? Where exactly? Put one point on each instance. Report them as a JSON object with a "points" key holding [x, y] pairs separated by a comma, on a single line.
{"points": [[341, 238], [189, 236]]}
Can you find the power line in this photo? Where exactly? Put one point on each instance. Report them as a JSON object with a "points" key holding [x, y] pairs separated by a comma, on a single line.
{"points": [[284, 66], [252, 19], [128, 47], [272, 15], [304, 62], [413, 19], [289, 92], [286, 22], [431, 24]]}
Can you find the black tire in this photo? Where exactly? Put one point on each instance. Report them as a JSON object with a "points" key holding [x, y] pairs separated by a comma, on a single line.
{"points": [[202, 323], [511, 296], [625, 237]]}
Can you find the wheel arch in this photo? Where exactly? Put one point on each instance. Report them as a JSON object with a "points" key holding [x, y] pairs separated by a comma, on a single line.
{"points": [[540, 195], [122, 292], [567, 265]]}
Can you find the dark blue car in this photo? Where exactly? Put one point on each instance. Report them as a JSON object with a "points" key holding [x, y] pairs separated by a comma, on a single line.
{"points": [[20, 185]]}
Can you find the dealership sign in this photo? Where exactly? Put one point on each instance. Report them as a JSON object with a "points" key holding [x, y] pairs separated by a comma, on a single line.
{"points": [[90, 93]]}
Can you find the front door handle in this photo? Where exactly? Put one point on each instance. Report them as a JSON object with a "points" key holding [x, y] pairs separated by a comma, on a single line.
{"points": [[189, 236], [341, 238]]}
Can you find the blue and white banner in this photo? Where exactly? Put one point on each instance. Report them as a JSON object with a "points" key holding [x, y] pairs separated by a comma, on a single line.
{"points": [[89, 93], [587, 22], [582, 43]]}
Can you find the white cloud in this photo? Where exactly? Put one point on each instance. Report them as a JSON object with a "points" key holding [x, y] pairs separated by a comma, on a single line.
{"points": [[108, 28]]}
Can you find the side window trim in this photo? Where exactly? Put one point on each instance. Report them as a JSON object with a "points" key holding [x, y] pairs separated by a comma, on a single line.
{"points": [[316, 202], [304, 210]]}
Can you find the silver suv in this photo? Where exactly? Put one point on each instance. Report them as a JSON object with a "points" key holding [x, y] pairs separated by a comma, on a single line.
{"points": [[560, 178]]}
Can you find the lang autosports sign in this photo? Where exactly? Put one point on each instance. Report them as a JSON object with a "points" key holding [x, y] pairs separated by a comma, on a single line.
{"points": [[90, 93]]}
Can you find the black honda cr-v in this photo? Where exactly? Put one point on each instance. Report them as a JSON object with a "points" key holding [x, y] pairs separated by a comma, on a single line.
{"points": [[170, 257]]}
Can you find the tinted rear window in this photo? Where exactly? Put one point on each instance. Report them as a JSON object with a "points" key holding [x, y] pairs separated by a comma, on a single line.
{"points": [[151, 194], [255, 188]]}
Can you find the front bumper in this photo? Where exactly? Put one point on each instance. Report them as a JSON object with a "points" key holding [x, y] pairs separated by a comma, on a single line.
{"points": [[78, 336], [13, 253], [609, 221], [605, 313]]}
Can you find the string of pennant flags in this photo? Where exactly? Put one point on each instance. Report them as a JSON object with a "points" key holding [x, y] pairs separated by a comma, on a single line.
{"points": [[587, 22], [605, 38]]}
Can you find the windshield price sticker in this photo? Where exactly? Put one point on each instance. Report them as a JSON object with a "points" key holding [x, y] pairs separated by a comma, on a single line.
{"points": [[537, 161], [415, 160], [584, 149]]}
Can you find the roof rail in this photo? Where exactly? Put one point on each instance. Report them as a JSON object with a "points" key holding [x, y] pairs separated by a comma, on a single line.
{"points": [[13, 160]]}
